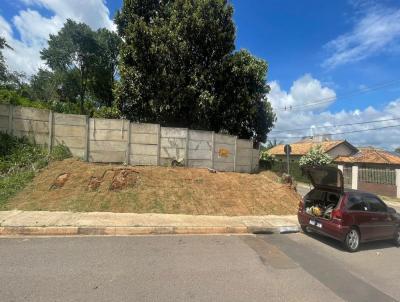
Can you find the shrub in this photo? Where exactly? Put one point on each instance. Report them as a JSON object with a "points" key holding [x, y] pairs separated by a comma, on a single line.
{"points": [[107, 112], [316, 157], [60, 152], [266, 160]]}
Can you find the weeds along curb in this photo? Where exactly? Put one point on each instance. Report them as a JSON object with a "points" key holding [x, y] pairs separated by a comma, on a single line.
{"points": [[130, 231]]}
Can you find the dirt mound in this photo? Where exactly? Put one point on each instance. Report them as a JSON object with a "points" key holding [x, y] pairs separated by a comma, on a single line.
{"points": [[81, 186]]}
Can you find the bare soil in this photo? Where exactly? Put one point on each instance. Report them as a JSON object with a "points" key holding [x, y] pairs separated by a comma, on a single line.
{"points": [[73, 185]]}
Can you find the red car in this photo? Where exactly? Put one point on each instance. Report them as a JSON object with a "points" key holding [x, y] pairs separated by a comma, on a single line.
{"points": [[350, 216]]}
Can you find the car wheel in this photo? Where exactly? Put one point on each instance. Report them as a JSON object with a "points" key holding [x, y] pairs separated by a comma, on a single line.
{"points": [[397, 237], [352, 241], [305, 229]]}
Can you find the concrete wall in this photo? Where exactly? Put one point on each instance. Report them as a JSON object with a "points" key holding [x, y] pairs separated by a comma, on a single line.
{"points": [[108, 140], [31, 123], [145, 139], [70, 130], [119, 141]]}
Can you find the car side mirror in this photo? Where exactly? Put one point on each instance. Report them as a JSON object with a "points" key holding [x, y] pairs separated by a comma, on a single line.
{"points": [[391, 210]]}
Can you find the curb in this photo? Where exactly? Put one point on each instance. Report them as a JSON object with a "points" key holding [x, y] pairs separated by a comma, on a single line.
{"points": [[147, 230]]}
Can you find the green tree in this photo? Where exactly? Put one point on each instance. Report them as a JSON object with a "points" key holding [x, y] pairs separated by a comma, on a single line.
{"points": [[3, 66], [316, 157], [397, 150], [105, 69], [73, 48], [178, 68]]}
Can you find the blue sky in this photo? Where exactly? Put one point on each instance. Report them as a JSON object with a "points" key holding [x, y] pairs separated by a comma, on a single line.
{"points": [[315, 49]]}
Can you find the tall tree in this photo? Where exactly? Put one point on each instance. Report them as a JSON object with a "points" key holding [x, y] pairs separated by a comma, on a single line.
{"points": [[73, 48], [3, 67], [102, 84], [178, 68]]}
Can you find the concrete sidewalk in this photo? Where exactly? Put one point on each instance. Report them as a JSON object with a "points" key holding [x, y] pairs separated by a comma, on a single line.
{"points": [[103, 223]]}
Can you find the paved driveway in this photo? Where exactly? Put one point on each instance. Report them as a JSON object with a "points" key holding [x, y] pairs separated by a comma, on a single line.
{"points": [[292, 267]]}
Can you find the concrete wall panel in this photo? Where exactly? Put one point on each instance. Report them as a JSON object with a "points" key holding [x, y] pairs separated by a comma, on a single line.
{"points": [[200, 135], [108, 124], [224, 139], [31, 114], [173, 132], [4, 122], [143, 160], [172, 153], [171, 142], [199, 154], [144, 138], [108, 135], [69, 119], [227, 167], [31, 126], [137, 149], [107, 156], [4, 110], [63, 130], [144, 128], [105, 146], [200, 163], [70, 141], [244, 144]]}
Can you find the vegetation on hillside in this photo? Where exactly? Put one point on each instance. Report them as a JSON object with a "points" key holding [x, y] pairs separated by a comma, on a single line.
{"points": [[20, 160], [179, 67]]}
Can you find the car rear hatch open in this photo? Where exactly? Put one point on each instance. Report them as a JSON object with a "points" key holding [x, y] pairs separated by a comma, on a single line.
{"points": [[325, 178]]}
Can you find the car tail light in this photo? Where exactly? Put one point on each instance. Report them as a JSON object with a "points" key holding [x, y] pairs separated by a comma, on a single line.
{"points": [[301, 206], [337, 214]]}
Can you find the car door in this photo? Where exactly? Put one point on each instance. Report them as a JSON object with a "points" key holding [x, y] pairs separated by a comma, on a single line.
{"points": [[357, 209], [382, 222]]}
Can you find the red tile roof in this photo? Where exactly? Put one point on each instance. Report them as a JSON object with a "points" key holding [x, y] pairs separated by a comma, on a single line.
{"points": [[371, 156], [301, 148]]}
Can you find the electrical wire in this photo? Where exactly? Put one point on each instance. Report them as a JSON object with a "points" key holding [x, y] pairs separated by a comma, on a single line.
{"points": [[330, 99], [334, 126], [345, 132]]}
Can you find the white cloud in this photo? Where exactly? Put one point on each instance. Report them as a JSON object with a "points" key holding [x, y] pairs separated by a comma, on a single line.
{"points": [[312, 119], [305, 90], [376, 31], [33, 28]]}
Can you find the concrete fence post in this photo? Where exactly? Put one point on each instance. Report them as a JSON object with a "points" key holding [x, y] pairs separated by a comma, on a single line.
{"points": [[128, 145], [340, 167], [10, 119], [212, 149], [354, 177], [51, 128], [187, 148], [158, 144], [398, 182], [234, 156], [87, 138]]}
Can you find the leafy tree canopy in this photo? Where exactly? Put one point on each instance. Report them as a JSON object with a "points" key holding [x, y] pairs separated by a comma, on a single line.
{"points": [[82, 60], [178, 68]]}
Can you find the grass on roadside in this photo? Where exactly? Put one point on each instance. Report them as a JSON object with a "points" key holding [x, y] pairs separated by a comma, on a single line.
{"points": [[19, 162]]}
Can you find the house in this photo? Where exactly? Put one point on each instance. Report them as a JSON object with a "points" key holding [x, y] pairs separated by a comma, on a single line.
{"points": [[369, 157], [371, 169], [334, 148], [365, 168]]}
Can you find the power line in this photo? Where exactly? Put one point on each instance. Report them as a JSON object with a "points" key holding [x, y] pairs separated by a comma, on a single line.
{"points": [[330, 99], [346, 132], [334, 126]]}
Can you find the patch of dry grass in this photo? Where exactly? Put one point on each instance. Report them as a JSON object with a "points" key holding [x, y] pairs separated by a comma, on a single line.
{"points": [[115, 188]]}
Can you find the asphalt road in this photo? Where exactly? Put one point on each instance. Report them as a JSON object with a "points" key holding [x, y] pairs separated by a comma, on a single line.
{"points": [[292, 267]]}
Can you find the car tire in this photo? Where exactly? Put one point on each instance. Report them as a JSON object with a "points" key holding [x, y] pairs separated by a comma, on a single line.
{"points": [[352, 241], [305, 229], [396, 238]]}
